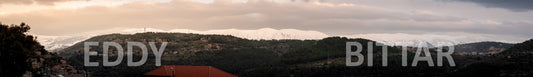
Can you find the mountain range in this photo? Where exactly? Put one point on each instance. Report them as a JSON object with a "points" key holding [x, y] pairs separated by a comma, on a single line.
{"points": [[57, 42], [253, 58]]}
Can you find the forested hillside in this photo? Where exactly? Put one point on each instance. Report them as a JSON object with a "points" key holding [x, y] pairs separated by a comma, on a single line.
{"points": [[269, 58]]}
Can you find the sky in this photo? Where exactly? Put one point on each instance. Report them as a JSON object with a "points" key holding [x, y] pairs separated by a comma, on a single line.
{"points": [[464, 21]]}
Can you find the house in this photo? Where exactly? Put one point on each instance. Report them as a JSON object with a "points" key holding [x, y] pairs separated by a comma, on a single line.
{"points": [[188, 71]]}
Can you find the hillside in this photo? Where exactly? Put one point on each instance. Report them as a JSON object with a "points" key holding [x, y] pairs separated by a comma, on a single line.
{"points": [[280, 58], [178, 43], [513, 62], [481, 48], [187, 49], [232, 54], [524, 47]]}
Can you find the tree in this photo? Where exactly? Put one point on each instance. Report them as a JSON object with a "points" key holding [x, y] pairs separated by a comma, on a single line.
{"points": [[15, 49]]}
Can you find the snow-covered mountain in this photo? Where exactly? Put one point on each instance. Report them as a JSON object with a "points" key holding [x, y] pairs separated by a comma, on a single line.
{"points": [[433, 38], [54, 43]]}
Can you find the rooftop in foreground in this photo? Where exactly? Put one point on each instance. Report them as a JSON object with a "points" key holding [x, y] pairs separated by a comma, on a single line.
{"points": [[188, 71]]}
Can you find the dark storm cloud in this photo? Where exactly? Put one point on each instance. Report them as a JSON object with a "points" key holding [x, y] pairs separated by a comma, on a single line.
{"points": [[513, 5]]}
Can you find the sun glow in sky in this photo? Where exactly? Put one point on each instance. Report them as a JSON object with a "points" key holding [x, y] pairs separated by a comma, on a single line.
{"points": [[75, 4]]}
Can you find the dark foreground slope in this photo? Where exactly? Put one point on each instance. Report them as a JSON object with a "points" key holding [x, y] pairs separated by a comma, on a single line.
{"points": [[516, 61]]}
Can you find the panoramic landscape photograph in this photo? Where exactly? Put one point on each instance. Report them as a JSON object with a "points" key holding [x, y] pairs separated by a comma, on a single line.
{"points": [[266, 38]]}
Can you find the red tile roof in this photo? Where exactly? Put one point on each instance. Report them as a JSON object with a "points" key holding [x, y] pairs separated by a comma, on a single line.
{"points": [[189, 71]]}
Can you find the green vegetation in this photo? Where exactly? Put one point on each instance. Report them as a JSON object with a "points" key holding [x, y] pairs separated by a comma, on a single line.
{"points": [[513, 62], [19, 49], [284, 58], [236, 55], [482, 47], [327, 48], [16, 48], [526, 46]]}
